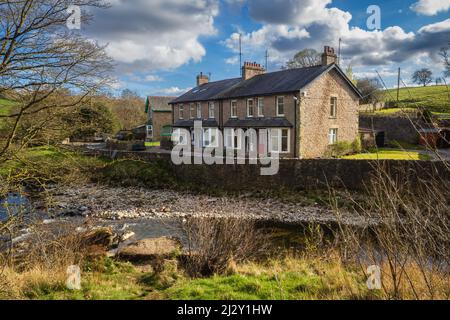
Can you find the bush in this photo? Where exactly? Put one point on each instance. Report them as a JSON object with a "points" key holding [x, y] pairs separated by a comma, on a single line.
{"points": [[214, 244], [343, 148], [357, 145]]}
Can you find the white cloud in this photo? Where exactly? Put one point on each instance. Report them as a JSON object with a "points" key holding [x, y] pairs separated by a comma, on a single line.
{"points": [[173, 91], [430, 7], [292, 31], [232, 60], [152, 35], [152, 78]]}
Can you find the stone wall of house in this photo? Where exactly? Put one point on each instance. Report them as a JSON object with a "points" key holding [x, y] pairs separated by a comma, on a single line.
{"points": [[160, 119], [395, 128], [315, 120]]}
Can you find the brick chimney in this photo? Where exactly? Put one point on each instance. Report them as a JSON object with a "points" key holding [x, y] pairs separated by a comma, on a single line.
{"points": [[328, 56], [251, 69], [202, 79]]}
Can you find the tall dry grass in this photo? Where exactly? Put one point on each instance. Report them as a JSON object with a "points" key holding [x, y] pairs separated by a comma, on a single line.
{"points": [[406, 233]]}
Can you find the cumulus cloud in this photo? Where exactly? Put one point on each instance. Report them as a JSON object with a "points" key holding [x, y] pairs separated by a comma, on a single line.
{"points": [[232, 60], [151, 35], [173, 91], [430, 7], [152, 78], [321, 25], [288, 11]]}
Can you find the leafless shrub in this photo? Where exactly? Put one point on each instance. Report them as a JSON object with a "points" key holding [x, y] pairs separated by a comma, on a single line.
{"points": [[214, 244], [407, 234]]}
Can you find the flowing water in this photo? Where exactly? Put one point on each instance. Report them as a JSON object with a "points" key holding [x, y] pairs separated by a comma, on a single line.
{"points": [[13, 204]]}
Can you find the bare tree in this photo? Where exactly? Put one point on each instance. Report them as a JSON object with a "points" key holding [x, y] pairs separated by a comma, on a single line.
{"points": [[41, 59], [444, 53], [371, 90], [423, 77], [304, 58]]}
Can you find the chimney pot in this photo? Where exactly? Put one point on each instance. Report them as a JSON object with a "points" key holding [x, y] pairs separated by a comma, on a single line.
{"points": [[202, 79], [251, 69], [328, 56]]}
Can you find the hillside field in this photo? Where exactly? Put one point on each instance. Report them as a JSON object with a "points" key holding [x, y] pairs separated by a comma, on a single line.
{"points": [[434, 98], [6, 107]]}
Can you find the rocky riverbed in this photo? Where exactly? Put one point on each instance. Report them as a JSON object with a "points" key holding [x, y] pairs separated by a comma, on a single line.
{"points": [[115, 203]]}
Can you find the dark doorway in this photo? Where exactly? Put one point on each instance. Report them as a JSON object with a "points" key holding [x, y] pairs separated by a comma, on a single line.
{"points": [[380, 139]]}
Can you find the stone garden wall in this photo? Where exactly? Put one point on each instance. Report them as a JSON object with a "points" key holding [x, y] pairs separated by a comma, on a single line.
{"points": [[294, 173]]}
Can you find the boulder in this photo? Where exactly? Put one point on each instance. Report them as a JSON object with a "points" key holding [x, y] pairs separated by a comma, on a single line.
{"points": [[98, 237], [149, 250]]}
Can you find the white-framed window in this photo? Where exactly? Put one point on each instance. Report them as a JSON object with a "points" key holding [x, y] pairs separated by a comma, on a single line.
{"points": [[280, 106], [211, 110], [332, 136], [181, 111], [260, 107], [285, 140], [229, 138], [191, 111], [233, 110], [232, 140], [250, 108], [210, 138], [279, 140], [149, 132], [275, 139], [179, 137], [333, 107], [199, 110], [252, 140]]}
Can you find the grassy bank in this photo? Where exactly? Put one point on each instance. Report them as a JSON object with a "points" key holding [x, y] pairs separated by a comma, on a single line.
{"points": [[285, 279], [39, 166]]}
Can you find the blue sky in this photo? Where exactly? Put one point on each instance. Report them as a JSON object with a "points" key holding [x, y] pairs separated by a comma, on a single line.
{"points": [[161, 45]]}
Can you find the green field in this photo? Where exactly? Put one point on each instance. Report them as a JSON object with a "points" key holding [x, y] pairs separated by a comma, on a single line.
{"points": [[434, 98], [6, 106]]}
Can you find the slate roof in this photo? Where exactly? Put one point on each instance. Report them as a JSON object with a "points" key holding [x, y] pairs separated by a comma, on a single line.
{"points": [[284, 81], [258, 123], [158, 103], [210, 123], [208, 91]]}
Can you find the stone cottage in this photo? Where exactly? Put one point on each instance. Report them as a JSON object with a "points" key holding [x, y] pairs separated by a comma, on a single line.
{"points": [[304, 110], [159, 122]]}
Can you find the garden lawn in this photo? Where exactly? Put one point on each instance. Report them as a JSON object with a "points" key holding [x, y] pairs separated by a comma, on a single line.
{"points": [[389, 154], [153, 144]]}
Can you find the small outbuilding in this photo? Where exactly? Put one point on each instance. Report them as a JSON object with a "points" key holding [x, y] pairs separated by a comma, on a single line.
{"points": [[159, 116], [435, 137]]}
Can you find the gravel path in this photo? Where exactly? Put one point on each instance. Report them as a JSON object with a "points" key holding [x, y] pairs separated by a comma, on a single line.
{"points": [[136, 203]]}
